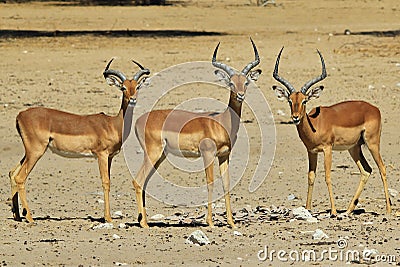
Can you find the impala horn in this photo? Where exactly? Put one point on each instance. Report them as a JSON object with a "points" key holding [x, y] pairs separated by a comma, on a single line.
{"points": [[141, 72], [310, 83], [283, 81], [254, 63], [116, 73], [220, 65]]}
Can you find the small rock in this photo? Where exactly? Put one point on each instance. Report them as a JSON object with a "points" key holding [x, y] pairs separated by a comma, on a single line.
{"points": [[100, 201], [319, 234], [122, 226], [312, 220], [115, 236], [371, 87], [291, 197], [301, 213], [393, 192], [198, 238], [369, 253], [157, 217], [237, 233], [120, 263], [118, 213], [103, 226]]}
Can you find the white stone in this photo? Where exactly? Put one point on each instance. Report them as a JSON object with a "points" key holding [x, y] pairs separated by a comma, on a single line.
{"points": [[319, 234], [115, 236], [122, 226], [198, 238], [237, 233], [103, 226], [118, 213], [157, 217]]}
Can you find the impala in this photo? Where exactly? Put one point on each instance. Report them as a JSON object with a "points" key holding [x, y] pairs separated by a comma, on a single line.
{"points": [[208, 135], [71, 135], [343, 126]]}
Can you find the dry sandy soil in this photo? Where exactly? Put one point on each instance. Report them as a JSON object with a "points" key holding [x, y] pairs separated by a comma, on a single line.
{"points": [[64, 70]]}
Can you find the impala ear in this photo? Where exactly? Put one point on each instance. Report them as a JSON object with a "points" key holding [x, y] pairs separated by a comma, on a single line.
{"points": [[223, 76], [255, 74], [114, 81], [315, 92], [280, 92]]}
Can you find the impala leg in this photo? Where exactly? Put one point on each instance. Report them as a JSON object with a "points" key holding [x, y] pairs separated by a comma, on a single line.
{"points": [[208, 149], [104, 167], [312, 166], [224, 169], [138, 184], [210, 187], [365, 172], [14, 190], [374, 149], [145, 172], [20, 179], [328, 164]]}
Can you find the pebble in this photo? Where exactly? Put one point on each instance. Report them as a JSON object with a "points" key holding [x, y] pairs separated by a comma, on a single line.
{"points": [[115, 236], [301, 213], [120, 263], [369, 253], [237, 233], [393, 192], [122, 226], [118, 213], [198, 238], [319, 234], [103, 226], [157, 217]]}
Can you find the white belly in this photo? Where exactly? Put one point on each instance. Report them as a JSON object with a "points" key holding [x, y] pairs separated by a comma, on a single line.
{"points": [[70, 154]]}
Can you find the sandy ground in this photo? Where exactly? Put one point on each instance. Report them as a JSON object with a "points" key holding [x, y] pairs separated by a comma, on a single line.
{"points": [[65, 71]]}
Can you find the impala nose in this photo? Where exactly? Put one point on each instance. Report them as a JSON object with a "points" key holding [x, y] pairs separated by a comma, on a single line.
{"points": [[240, 97], [296, 120], [132, 101]]}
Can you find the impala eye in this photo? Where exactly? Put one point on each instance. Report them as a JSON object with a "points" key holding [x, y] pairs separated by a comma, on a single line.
{"points": [[304, 102], [290, 101]]}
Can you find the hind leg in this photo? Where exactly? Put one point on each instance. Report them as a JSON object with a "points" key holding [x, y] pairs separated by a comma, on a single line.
{"points": [[365, 172], [14, 190], [372, 140], [20, 180], [149, 166], [374, 149], [33, 152]]}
